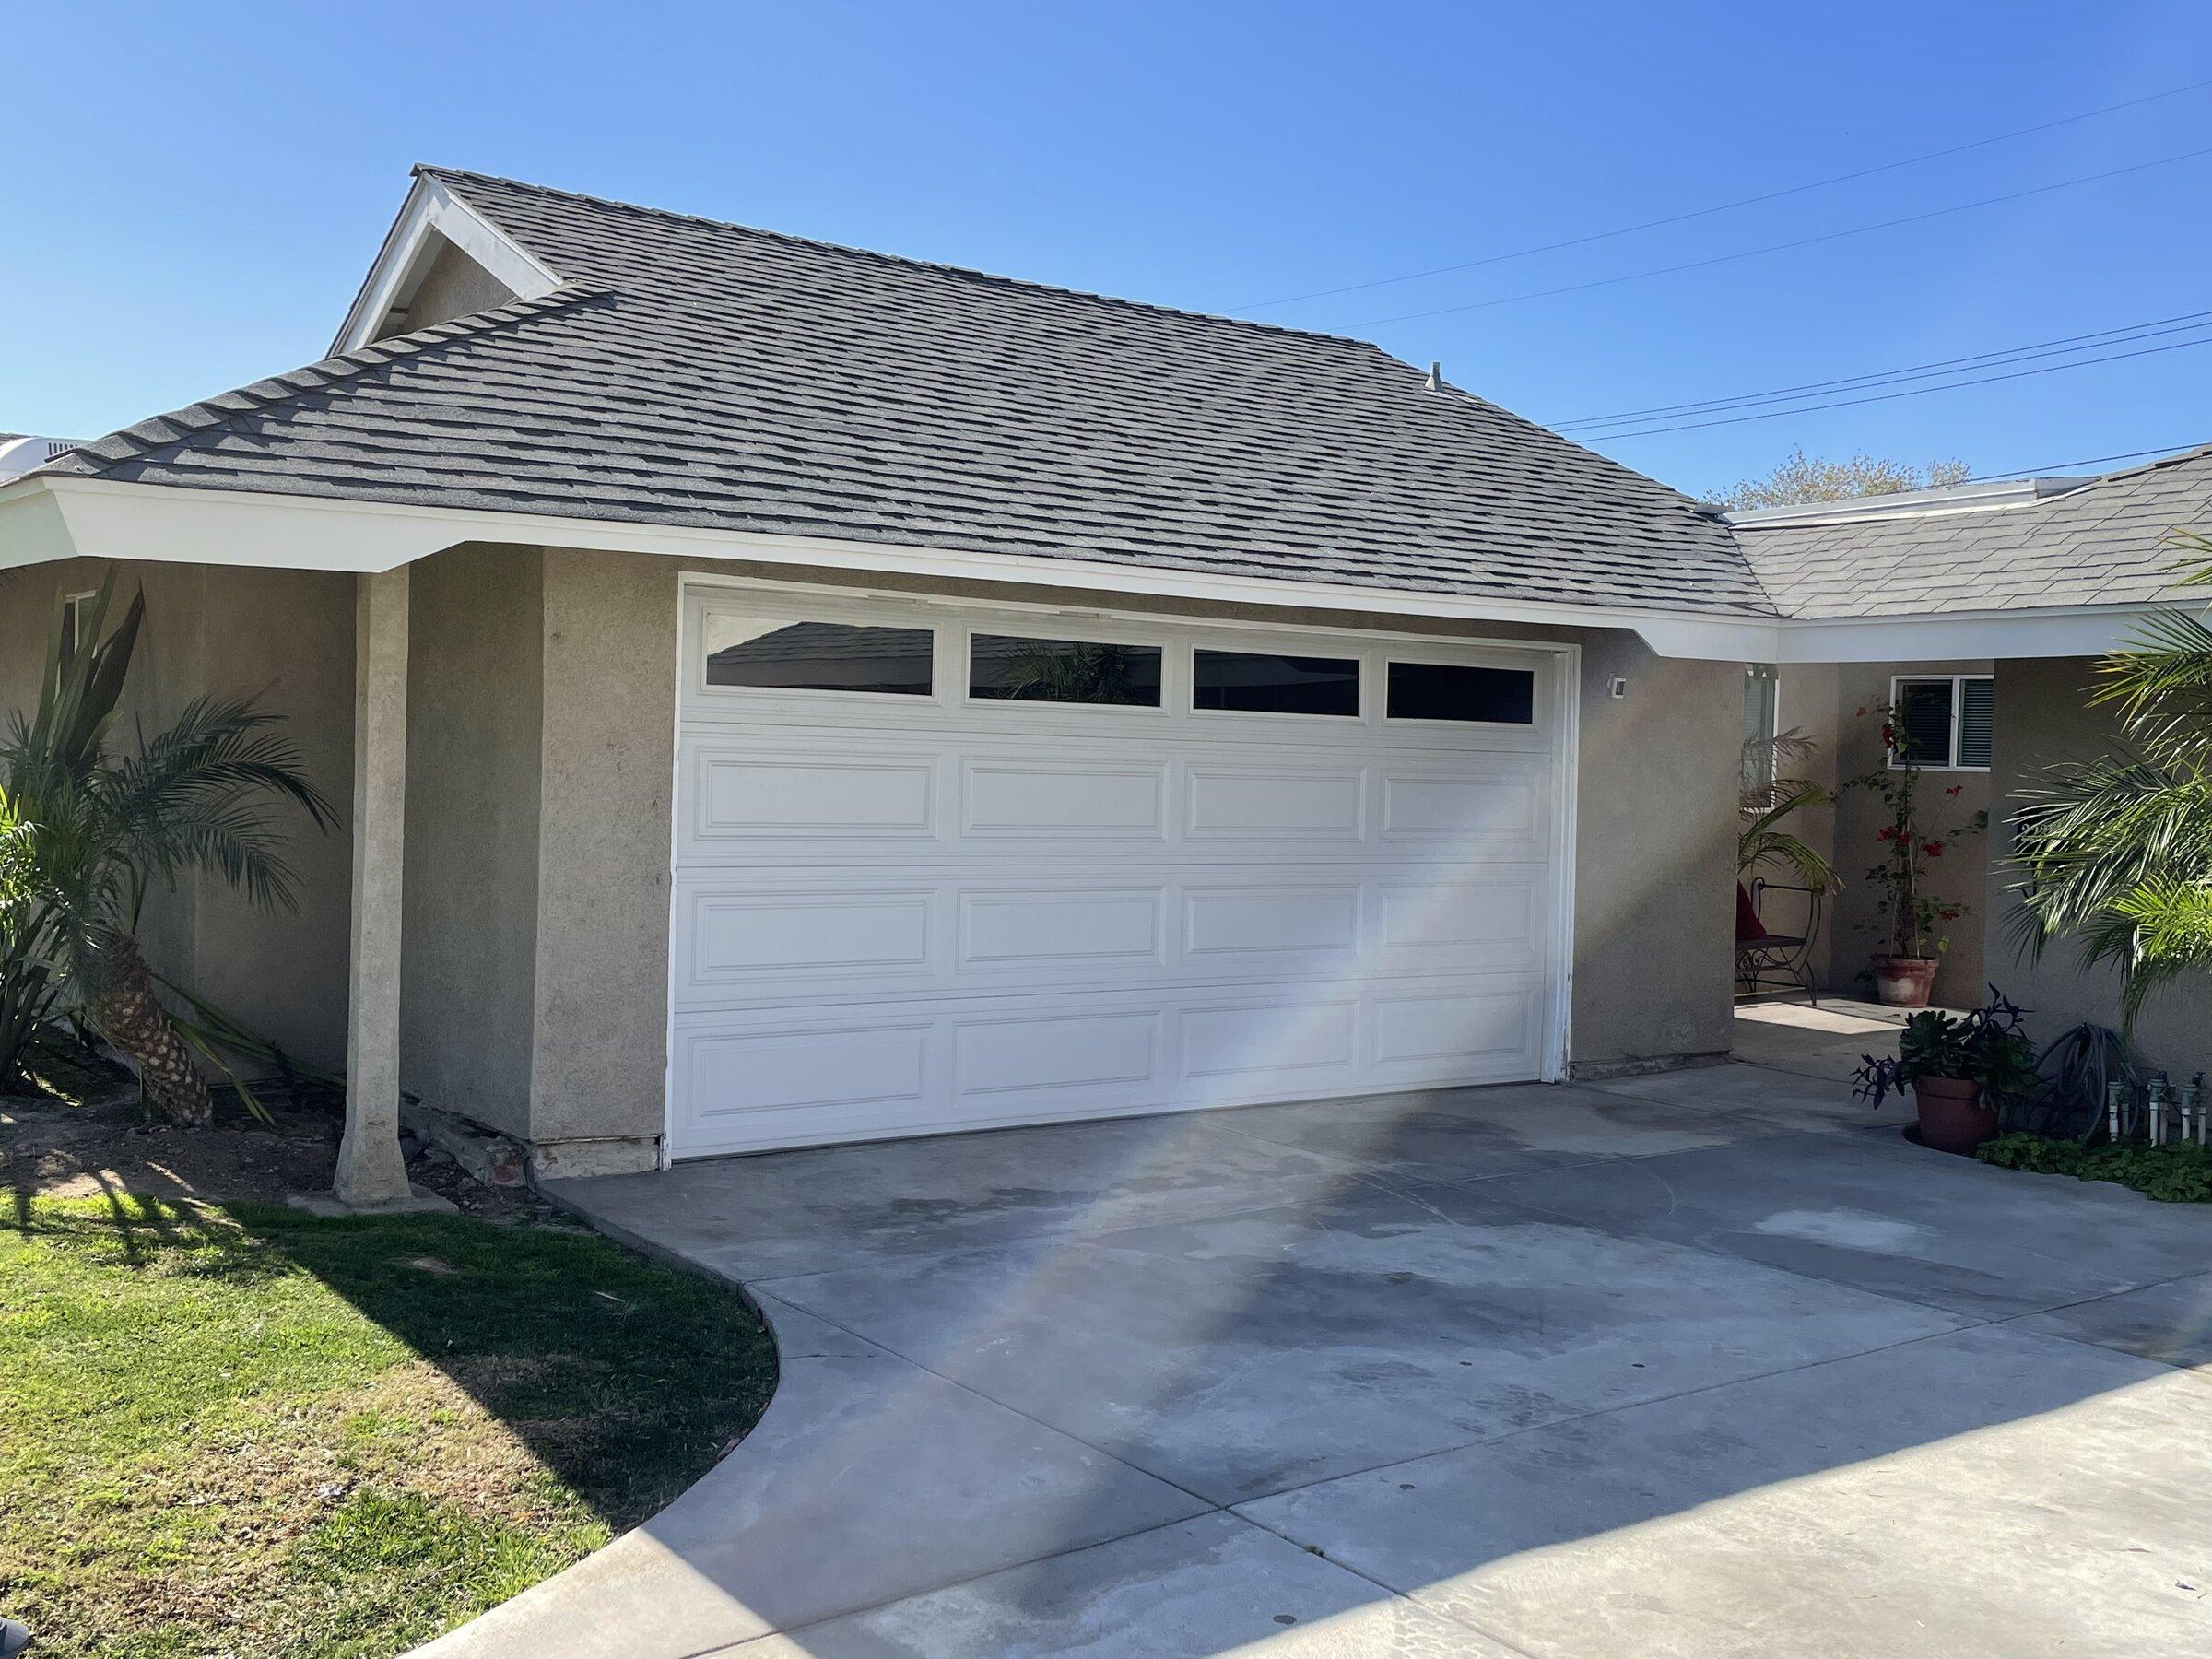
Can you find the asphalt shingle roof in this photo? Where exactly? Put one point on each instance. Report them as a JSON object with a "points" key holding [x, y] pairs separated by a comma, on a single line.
{"points": [[698, 374], [2112, 541]]}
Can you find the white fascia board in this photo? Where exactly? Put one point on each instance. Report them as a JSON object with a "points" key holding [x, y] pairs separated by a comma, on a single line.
{"points": [[107, 519], [2071, 631], [59, 516], [431, 210]]}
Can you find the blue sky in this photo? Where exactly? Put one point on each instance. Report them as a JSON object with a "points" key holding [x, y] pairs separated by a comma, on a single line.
{"points": [[196, 191]]}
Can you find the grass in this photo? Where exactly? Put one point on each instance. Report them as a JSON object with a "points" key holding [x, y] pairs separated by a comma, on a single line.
{"points": [[2176, 1172], [240, 1430]]}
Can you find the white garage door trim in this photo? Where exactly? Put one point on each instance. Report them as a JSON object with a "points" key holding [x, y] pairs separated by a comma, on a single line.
{"points": [[888, 1011]]}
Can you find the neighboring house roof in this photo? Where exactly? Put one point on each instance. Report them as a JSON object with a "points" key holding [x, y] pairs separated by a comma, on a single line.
{"points": [[690, 373], [2112, 540], [19, 452]]}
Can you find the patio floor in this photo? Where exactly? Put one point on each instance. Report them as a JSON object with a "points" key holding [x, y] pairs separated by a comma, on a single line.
{"points": [[1707, 1362]]}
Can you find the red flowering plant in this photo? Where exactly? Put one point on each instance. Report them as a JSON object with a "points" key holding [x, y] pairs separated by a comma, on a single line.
{"points": [[1913, 920]]}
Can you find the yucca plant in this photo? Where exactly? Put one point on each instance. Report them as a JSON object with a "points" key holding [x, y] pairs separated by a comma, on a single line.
{"points": [[27, 992], [101, 826], [2115, 850]]}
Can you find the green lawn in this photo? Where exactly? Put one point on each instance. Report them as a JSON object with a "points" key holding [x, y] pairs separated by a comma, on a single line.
{"points": [[240, 1430]]}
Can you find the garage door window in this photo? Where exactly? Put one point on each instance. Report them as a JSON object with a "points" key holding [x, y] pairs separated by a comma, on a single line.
{"points": [[1018, 669], [1456, 691], [782, 655], [1263, 683]]}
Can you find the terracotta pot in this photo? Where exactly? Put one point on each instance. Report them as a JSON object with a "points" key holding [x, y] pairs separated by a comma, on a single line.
{"points": [[1952, 1118], [1904, 982]]}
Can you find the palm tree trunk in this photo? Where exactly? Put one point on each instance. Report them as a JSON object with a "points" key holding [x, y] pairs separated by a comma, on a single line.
{"points": [[128, 1014]]}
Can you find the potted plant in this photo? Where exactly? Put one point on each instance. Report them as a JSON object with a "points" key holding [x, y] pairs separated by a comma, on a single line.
{"points": [[1963, 1070], [1910, 919]]}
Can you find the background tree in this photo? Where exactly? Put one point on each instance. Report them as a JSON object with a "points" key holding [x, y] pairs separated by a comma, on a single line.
{"points": [[2116, 851], [1801, 478]]}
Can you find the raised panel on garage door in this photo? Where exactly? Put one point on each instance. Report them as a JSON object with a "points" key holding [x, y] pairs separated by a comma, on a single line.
{"points": [[902, 907]]}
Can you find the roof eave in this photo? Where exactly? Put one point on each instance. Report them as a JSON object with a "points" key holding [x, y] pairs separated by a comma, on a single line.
{"points": [[63, 515]]}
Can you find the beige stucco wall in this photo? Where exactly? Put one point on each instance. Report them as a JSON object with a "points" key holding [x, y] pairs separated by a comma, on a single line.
{"points": [[454, 285], [470, 902], [2042, 718], [1823, 702], [1655, 856], [286, 636]]}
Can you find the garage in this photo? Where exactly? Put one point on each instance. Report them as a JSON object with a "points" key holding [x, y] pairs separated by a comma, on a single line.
{"points": [[942, 866]]}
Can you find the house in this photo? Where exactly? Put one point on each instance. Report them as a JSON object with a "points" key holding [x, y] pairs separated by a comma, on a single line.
{"points": [[794, 694], [1985, 724]]}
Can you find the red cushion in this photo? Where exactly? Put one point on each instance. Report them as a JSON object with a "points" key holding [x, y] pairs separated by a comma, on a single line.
{"points": [[1748, 928]]}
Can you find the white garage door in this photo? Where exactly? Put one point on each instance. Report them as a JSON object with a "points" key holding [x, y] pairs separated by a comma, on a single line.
{"points": [[938, 867]]}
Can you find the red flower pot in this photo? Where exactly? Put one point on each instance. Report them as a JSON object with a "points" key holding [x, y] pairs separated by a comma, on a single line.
{"points": [[1952, 1118], [1904, 982]]}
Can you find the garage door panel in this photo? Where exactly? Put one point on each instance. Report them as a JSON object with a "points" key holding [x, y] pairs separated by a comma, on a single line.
{"points": [[898, 915], [1491, 915], [1029, 1053], [1034, 799], [760, 797], [1489, 805], [739, 938], [1274, 804], [1481, 1028], [1261, 1043], [1064, 928], [1250, 927], [740, 1073]]}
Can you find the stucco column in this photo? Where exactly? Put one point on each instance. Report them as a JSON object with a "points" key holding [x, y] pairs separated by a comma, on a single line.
{"points": [[370, 1170]]}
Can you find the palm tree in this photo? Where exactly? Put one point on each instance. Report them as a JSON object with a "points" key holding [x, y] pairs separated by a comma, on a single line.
{"points": [[2116, 851], [1766, 799], [102, 826]]}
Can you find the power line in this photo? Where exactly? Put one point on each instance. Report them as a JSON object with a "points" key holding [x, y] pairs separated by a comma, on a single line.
{"points": [[1848, 403], [1909, 371], [1751, 201], [1803, 242], [2049, 467]]}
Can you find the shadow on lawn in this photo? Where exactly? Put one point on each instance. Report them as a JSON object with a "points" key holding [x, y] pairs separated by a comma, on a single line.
{"points": [[624, 1378]]}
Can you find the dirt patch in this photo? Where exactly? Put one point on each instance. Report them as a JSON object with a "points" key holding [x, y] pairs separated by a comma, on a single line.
{"points": [[86, 1134]]}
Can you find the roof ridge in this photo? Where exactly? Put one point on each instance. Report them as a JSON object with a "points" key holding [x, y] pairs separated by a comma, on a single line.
{"points": [[2201, 452], [142, 437], [906, 260]]}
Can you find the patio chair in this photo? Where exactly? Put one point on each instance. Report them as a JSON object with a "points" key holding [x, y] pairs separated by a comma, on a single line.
{"points": [[1768, 959]]}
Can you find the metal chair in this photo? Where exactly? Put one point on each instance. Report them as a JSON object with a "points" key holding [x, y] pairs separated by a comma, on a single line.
{"points": [[1780, 961]]}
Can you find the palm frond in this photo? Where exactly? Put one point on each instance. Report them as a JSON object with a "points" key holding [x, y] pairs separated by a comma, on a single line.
{"points": [[1761, 844], [205, 793]]}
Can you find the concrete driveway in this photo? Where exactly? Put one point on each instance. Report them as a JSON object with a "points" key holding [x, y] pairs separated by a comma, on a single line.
{"points": [[1706, 1363]]}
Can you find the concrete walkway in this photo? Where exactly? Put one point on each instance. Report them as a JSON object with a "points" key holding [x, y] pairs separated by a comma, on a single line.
{"points": [[1707, 1363]]}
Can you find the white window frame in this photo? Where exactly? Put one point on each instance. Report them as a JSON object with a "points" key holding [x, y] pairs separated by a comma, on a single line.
{"points": [[1772, 674], [73, 609], [1957, 683]]}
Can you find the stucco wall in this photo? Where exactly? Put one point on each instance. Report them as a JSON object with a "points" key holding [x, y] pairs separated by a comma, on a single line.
{"points": [[287, 636], [469, 903], [609, 762], [1654, 917], [1824, 703], [454, 285], [2042, 718]]}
